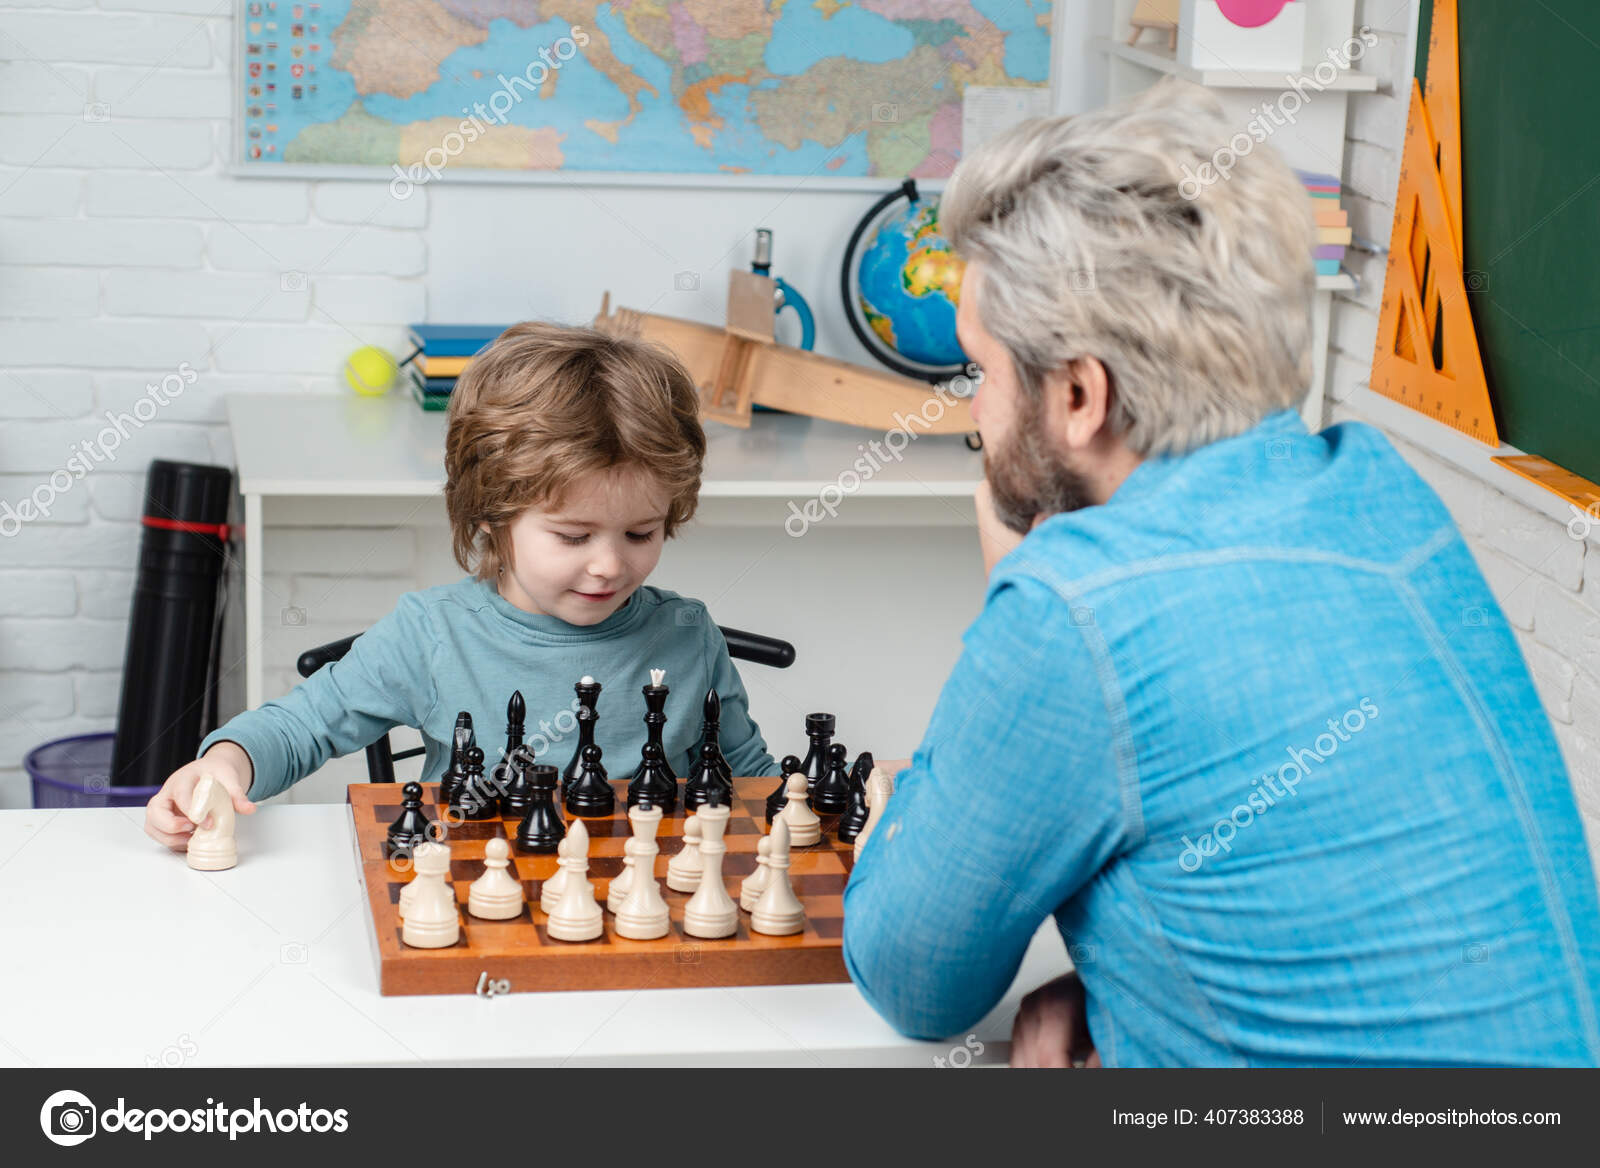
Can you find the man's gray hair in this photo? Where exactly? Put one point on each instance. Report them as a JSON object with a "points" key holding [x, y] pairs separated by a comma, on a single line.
{"points": [[1093, 239]]}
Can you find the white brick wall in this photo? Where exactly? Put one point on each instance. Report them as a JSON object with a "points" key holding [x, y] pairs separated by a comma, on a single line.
{"points": [[126, 250], [1547, 581]]}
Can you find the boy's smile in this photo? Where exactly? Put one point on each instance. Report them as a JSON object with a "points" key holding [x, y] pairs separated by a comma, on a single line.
{"points": [[581, 559]]}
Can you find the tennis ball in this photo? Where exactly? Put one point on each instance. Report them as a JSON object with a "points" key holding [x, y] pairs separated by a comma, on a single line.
{"points": [[370, 371]]}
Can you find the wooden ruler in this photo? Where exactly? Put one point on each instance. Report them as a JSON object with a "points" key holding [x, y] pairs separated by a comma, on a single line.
{"points": [[1426, 356]]}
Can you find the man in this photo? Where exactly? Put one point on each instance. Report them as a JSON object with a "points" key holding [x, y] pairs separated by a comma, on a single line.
{"points": [[1239, 711]]}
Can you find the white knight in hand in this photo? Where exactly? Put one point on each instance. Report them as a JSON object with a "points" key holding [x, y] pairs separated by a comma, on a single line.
{"points": [[211, 847]]}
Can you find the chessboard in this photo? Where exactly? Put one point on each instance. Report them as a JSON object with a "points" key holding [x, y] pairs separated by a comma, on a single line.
{"points": [[519, 955]]}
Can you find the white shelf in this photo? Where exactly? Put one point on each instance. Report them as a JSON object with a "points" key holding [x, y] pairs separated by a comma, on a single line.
{"points": [[1163, 61], [1342, 282]]}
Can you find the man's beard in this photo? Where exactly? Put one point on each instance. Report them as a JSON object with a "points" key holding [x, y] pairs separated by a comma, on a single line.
{"points": [[1028, 479]]}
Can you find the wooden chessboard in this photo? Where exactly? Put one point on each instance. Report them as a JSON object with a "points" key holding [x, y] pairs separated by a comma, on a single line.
{"points": [[520, 951]]}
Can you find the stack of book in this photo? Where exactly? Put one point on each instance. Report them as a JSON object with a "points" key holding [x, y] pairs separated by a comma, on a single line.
{"points": [[1333, 222], [441, 354]]}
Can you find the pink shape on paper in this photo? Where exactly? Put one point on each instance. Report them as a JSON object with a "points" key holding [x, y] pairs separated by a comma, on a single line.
{"points": [[1251, 13]]}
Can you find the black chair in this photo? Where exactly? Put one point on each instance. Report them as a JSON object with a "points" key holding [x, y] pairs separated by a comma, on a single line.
{"points": [[380, 759]]}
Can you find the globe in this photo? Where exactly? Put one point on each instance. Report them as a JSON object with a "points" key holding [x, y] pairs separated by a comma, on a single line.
{"points": [[902, 283]]}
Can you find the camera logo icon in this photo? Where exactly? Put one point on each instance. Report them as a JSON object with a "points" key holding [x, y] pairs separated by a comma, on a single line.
{"points": [[68, 1118], [885, 111], [687, 616], [1477, 281], [1279, 448], [1475, 954], [294, 953], [1082, 280], [292, 282], [293, 617], [1474, 618], [1082, 616], [686, 282], [97, 111], [687, 955]]}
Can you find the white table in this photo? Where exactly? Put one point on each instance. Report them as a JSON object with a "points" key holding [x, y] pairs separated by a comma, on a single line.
{"points": [[116, 954]]}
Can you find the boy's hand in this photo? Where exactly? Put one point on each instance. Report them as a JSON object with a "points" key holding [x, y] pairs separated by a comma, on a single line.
{"points": [[164, 817]]}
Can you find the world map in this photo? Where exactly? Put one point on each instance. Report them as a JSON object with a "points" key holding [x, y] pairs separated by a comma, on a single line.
{"points": [[700, 87]]}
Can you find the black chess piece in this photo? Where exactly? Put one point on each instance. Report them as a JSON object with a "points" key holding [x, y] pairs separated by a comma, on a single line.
{"points": [[516, 711], [819, 729], [411, 828], [476, 797], [705, 775], [778, 798], [541, 829], [832, 792], [855, 812], [518, 795], [654, 781], [655, 720], [588, 691], [589, 794], [450, 781]]}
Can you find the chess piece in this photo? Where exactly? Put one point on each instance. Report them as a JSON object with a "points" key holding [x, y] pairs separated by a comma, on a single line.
{"points": [[541, 829], [496, 895], [880, 786], [683, 870], [588, 691], [831, 795], [780, 797], [516, 711], [518, 795], [805, 828], [590, 794], [431, 919], [623, 880], [655, 720], [711, 912], [411, 828], [577, 915], [461, 740], [475, 797], [653, 781], [550, 893], [210, 809], [819, 729], [854, 817], [642, 914], [750, 890], [779, 911], [710, 764]]}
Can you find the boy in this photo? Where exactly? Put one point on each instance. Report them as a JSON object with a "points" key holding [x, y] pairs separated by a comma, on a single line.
{"points": [[571, 456]]}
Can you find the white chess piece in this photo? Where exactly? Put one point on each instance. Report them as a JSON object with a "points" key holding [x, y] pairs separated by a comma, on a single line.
{"points": [[642, 914], [880, 786], [683, 870], [779, 911], [550, 892], [711, 912], [496, 895], [432, 921], [750, 890], [211, 848], [805, 828], [577, 916]]}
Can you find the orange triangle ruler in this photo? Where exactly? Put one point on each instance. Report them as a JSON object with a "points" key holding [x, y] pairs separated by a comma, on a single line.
{"points": [[1427, 355]]}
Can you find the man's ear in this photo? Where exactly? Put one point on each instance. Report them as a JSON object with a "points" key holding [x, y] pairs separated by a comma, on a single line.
{"points": [[1079, 394]]}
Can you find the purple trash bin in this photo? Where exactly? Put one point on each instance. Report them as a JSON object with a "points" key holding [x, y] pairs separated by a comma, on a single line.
{"points": [[76, 772]]}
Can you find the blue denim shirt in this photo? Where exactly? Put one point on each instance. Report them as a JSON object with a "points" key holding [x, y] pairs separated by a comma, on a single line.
{"points": [[1257, 735]]}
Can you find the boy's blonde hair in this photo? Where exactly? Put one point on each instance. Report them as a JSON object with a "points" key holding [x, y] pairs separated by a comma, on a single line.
{"points": [[544, 406]]}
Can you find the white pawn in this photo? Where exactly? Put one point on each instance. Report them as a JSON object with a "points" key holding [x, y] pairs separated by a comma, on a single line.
{"points": [[496, 895], [211, 847], [432, 921], [618, 892], [683, 870], [779, 911], [711, 912], [880, 786], [642, 914], [805, 828], [550, 893], [577, 916], [750, 890]]}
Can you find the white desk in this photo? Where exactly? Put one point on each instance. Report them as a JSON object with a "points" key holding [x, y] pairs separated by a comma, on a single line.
{"points": [[127, 958], [879, 592]]}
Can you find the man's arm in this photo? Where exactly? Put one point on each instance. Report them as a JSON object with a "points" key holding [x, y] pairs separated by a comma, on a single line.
{"points": [[1012, 804]]}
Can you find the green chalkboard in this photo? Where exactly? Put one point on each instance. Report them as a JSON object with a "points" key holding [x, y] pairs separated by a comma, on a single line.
{"points": [[1530, 155]]}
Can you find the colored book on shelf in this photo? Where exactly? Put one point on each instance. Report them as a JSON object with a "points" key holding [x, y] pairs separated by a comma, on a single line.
{"points": [[429, 401], [1317, 182], [441, 386], [1327, 267], [453, 340], [1332, 217], [1328, 251], [433, 366], [1334, 235]]}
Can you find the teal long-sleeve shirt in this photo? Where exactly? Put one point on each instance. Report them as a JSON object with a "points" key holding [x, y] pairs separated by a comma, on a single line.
{"points": [[463, 646]]}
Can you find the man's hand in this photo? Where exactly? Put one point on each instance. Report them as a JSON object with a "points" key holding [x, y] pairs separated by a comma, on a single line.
{"points": [[1052, 1027], [165, 820]]}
